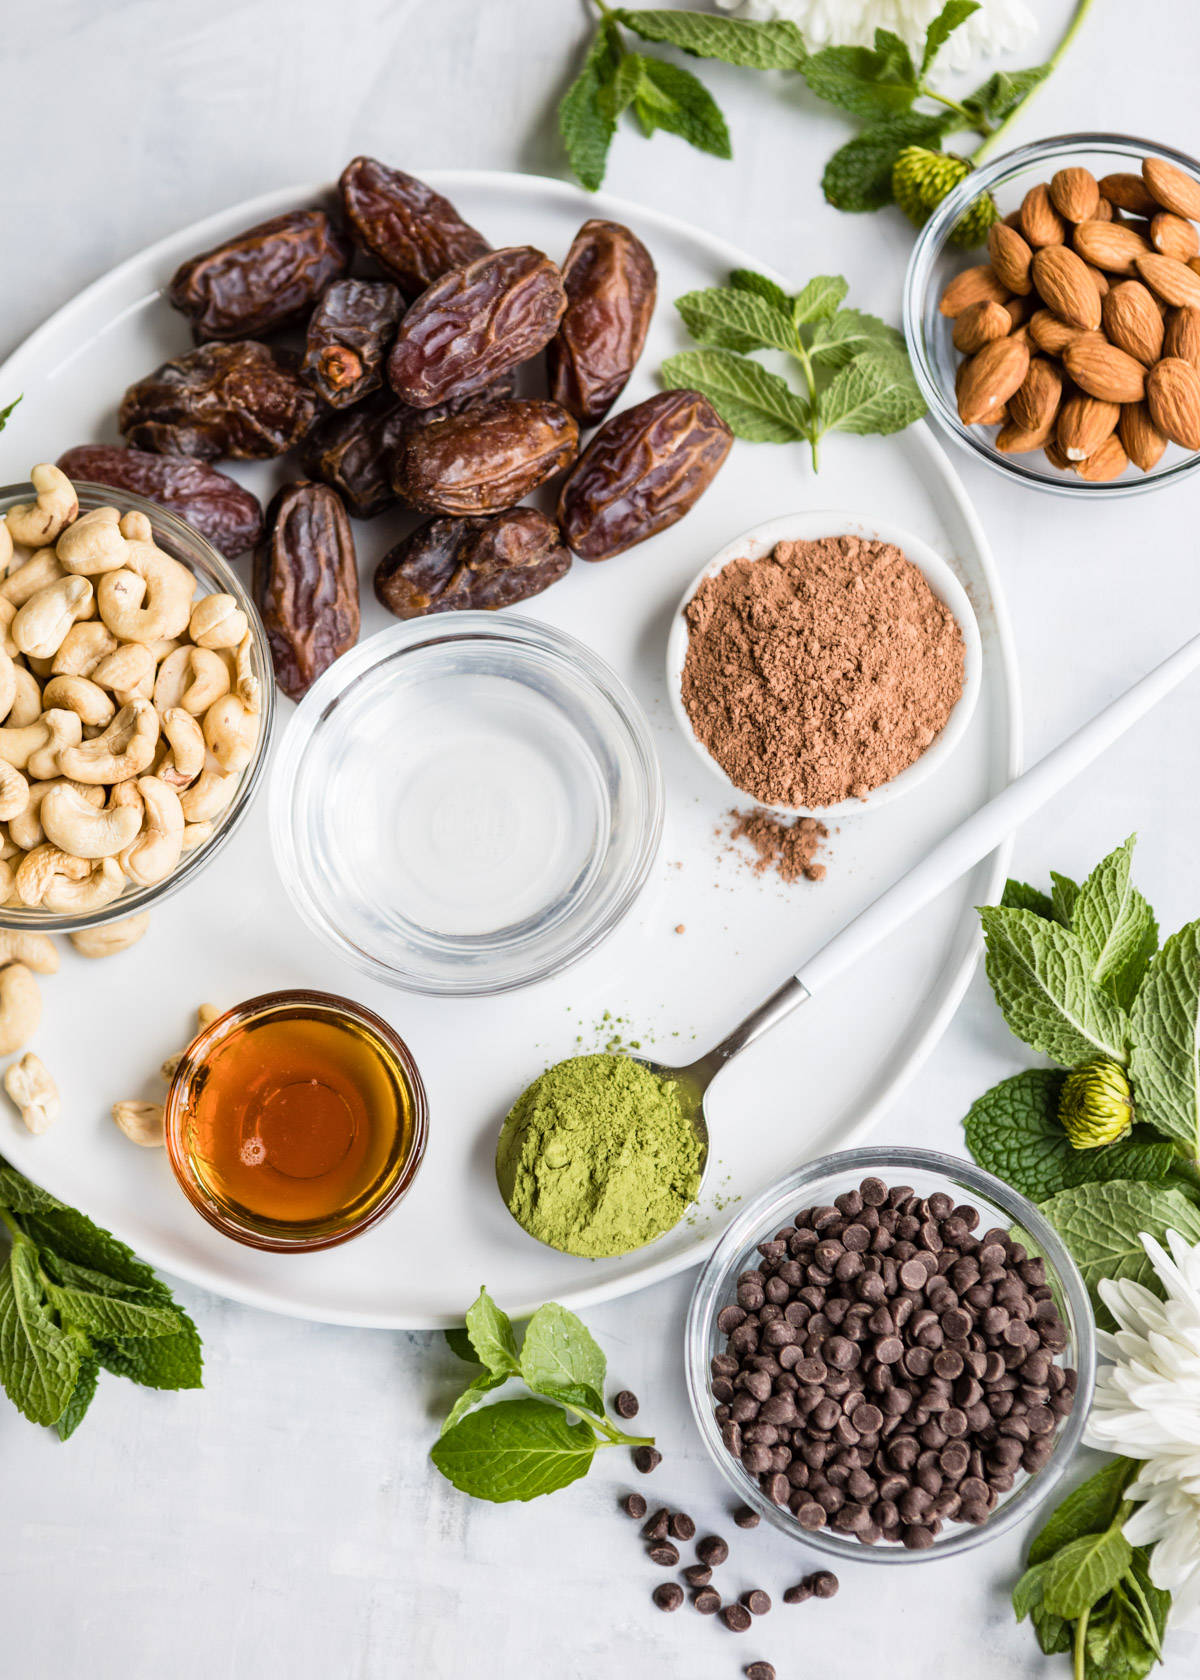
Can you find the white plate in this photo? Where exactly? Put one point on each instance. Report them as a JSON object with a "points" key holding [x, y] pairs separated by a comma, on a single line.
{"points": [[815, 1084]]}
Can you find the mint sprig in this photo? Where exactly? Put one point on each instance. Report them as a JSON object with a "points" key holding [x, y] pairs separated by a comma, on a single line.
{"points": [[5, 413], [519, 1449], [856, 372], [74, 1300]]}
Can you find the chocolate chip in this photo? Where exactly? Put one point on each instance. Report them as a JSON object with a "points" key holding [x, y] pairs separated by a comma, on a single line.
{"points": [[669, 1596], [824, 1584], [712, 1550], [707, 1601], [697, 1575], [800, 1593], [634, 1506], [626, 1403], [664, 1554], [655, 1527], [756, 1601], [646, 1459], [744, 1517], [811, 1516], [681, 1526], [736, 1618], [759, 1671]]}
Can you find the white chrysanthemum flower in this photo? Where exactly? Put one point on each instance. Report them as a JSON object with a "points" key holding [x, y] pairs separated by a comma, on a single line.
{"points": [[1147, 1407], [998, 26]]}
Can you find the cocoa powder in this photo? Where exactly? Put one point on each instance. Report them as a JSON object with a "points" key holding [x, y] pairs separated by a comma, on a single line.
{"points": [[820, 671], [790, 848]]}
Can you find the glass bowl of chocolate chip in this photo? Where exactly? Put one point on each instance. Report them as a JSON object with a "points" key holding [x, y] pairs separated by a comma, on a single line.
{"points": [[891, 1353]]}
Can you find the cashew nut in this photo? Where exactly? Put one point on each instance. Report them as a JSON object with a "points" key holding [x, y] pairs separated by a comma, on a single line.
{"points": [[248, 687], [126, 669], [41, 625], [38, 868], [155, 852], [6, 545], [142, 1123], [8, 684], [65, 730], [231, 733], [27, 707], [106, 941], [124, 750], [20, 1007], [79, 695], [7, 613], [193, 678], [186, 758], [93, 544], [35, 574], [8, 847], [84, 646], [195, 834], [26, 829], [136, 527], [17, 746], [148, 575], [210, 794], [34, 1092], [71, 824], [206, 1014], [39, 667], [217, 622], [14, 792], [68, 897], [40, 522], [8, 891]]}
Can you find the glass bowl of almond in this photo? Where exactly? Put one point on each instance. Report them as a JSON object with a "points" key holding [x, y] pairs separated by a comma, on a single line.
{"points": [[1064, 350]]}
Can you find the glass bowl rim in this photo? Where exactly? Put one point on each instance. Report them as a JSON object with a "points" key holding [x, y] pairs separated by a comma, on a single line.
{"points": [[266, 1003], [133, 902], [362, 664], [931, 240], [870, 1159]]}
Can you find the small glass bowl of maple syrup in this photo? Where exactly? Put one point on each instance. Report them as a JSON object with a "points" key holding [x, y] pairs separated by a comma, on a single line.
{"points": [[296, 1121]]}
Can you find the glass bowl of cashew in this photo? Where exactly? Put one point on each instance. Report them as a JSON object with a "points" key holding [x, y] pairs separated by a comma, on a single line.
{"points": [[136, 703]]}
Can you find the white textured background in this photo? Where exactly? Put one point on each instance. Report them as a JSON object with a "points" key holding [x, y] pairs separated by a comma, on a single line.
{"points": [[285, 1522]]}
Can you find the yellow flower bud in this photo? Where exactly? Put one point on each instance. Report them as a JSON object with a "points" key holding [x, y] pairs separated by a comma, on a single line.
{"points": [[1095, 1106]]}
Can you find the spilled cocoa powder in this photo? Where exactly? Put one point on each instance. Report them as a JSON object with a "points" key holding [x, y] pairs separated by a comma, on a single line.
{"points": [[820, 671], [790, 848]]}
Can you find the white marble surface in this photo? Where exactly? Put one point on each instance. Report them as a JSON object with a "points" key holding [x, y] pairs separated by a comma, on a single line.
{"points": [[285, 1521]]}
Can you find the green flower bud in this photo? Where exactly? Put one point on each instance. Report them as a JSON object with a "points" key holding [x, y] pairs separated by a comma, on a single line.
{"points": [[1095, 1106], [920, 181]]}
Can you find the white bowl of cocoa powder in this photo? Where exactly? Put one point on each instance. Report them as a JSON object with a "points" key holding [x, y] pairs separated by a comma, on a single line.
{"points": [[824, 663]]}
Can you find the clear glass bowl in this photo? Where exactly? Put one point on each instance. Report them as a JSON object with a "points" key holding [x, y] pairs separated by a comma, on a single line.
{"points": [[934, 261], [214, 576], [817, 1184], [466, 804]]}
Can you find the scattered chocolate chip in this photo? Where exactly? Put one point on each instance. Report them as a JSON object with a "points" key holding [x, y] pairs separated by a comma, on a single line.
{"points": [[744, 1517], [759, 1671], [664, 1553], [669, 1596], [707, 1601], [697, 1574], [712, 1550], [800, 1593], [634, 1506], [736, 1618], [756, 1601], [655, 1526], [823, 1584], [646, 1459], [626, 1405], [681, 1526]]}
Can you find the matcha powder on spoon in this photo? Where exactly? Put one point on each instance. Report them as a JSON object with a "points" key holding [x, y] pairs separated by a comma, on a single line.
{"points": [[597, 1158]]}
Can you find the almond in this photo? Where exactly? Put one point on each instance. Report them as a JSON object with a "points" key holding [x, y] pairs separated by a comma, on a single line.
{"points": [[1100, 281], [1083, 425], [1057, 455], [1013, 220], [1062, 279], [1017, 440], [1109, 245], [1143, 441], [1173, 393], [1129, 192], [992, 375], [997, 416], [1021, 308], [973, 285], [1174, 237], [1035, 404], [1174, 281], [1132, 321], [1109, 461], [1050, 334], [1171, 187], [1011, 257], [1183, 335], [1103, 370], [979, 325], [1104, 212], [1040, 221], [1075, 194]]}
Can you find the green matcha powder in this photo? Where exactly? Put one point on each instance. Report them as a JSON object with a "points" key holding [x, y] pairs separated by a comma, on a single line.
{"points": [[597, 1158]]}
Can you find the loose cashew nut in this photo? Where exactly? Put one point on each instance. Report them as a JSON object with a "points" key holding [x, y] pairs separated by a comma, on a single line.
{"points": [[8, 847], [151, 576], [126, 669], [82, 650], [38, 573], [65, 730], [20, 1007], [68, 897], [14, 791], [36, 1095], [208, 796], [6, 545], [195, 834], [40, 522], [193, 678], [8, 684], [38, 868], [36, 950], [27, 707], [41, 625], [124, 750], [93, 544], [231, 733], [248, 687], [80, 695], [136, 527], [186, 758], [7, 613], [75, 827], [107, 941], [142, 1123], [26, 829], [17, 746], [217, 622], [155, 852]]}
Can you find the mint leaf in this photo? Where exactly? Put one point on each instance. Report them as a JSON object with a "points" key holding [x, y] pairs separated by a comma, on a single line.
{"points": [[472, 1395], [858, 177], [746, 280], [875, 393], [952, 14], [39, 1362], [1165, 1060], [671, 98], [18, 1195], [516, 1449], [586, 128], [491, 1334], [172, 1362], [72, 1236], [1081, 1573], [617, 94], [1053, 1634], [838, 339], [864, 82], [735, 320], [1027, 1594], [756, 404], [1063, 897], [559, 1353], [755, 46], [1039, 974], [460, 1343], [1102, 1225], [1000, 95], [818, 301], [82, 1396], [108, 1317], [5, 413], [1089, 1509], [1154, 1602], [1115, 925], [1019, 895]]}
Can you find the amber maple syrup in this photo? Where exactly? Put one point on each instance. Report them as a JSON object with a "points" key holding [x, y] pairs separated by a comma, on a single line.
{"points": [[298, 1118]]}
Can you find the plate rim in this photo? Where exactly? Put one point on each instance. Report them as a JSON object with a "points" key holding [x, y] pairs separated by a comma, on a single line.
{"points": [[953, 986]]}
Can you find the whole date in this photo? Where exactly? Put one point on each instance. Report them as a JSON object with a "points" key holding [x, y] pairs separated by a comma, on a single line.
{"points": [[306, 584], [483, 461], [450, 565], [611, 286], [411, 231], [212, 503], [349, 333], [261, 279], [239, 399]]}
